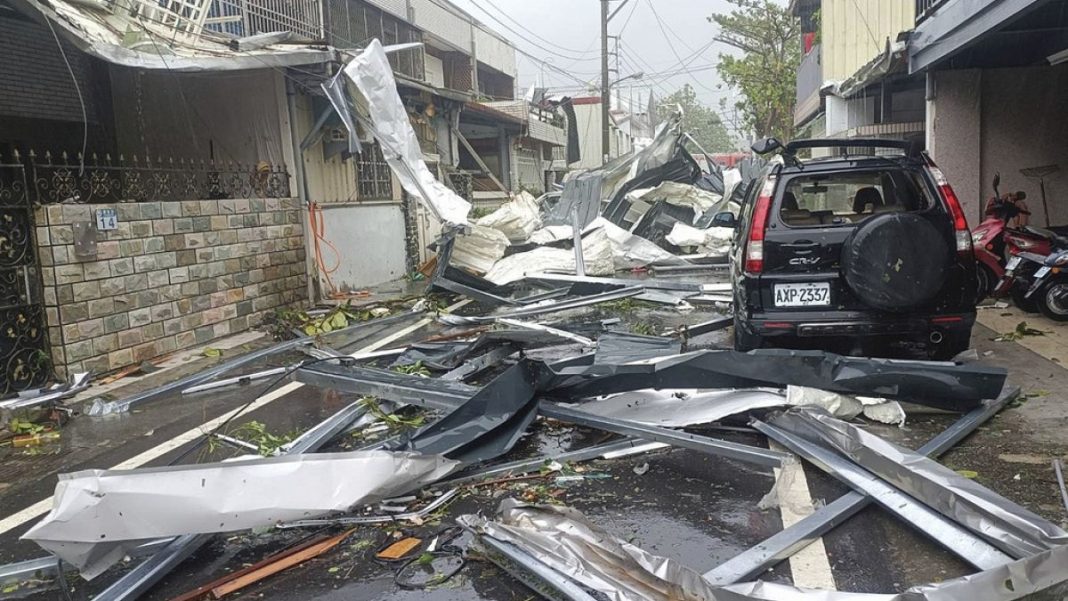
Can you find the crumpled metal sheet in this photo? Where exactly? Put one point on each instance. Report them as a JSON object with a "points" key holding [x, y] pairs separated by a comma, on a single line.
{"points": [[596, 254], [486, 426], [941, 385], [478, 248], [630, 251], [517, 219], [568, 542], [98, 514], [1015, 530], [624, 347], [678, 408], [373, 76]]}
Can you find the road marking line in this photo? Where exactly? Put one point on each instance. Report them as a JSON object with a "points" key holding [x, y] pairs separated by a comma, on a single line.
{"points": [[810, 566], [44, 506]]}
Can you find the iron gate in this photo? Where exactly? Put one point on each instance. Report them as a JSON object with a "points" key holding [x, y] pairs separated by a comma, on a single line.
{"points": [[25, 360]]}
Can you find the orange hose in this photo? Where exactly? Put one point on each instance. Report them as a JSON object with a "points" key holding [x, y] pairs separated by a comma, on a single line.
{"points": [[318, 225]]}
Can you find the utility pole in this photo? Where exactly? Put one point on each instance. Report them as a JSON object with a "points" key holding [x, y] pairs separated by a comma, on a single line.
{"points": [[605, 91]]}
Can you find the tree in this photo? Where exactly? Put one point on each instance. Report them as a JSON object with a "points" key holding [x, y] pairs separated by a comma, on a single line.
{"points": [[766, 72], [700, 121]]}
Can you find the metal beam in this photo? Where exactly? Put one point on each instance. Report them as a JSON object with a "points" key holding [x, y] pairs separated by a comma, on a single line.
{"points": [[780, 547], [440, 394], [563, 305], [964, 544]]}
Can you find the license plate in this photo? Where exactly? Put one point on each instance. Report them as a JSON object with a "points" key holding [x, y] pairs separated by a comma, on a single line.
{"points": [[1013, 263], [802, 295], [1042, 271]]}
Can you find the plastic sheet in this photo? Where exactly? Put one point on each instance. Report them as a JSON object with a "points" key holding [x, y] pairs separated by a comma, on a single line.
{"points": [[97, 514], [568, 542], [516, 219], [941, 385], [373, 76], [478, 249], [1004, 524]]}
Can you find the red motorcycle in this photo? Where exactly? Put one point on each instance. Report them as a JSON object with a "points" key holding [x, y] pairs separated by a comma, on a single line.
{"points": [[995, 242]]}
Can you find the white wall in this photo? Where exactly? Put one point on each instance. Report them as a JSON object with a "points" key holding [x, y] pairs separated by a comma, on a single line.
{"points": [[368, 236]]}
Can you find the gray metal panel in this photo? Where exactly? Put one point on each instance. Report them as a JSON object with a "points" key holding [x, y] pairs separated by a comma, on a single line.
{"points": [[959, 24]]}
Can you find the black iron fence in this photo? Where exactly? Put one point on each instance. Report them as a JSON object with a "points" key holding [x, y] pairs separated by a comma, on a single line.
{"points": [[64, 178], [25, 359]]}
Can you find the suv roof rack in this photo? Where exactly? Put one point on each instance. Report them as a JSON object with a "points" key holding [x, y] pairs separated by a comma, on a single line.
{"points": [[912, 149]]}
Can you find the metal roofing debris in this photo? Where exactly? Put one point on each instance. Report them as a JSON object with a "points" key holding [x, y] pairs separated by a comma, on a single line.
{"points": [[1004, 524]]}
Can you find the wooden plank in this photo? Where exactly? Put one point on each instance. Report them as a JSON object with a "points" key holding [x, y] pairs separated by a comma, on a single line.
{"points": [[279, 565]]}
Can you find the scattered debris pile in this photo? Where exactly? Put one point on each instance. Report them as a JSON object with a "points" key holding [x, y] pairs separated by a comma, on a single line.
{"points": [[439, 416]]}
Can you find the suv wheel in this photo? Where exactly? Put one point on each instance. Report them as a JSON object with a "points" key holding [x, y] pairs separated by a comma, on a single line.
{"points": [[743, 340]]}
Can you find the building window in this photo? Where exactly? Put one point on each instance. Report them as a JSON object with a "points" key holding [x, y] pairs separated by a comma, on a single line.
{"points": [[374, 181]]}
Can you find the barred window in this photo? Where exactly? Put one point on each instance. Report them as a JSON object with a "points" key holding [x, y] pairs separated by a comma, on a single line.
{"points": [[373, 178]]}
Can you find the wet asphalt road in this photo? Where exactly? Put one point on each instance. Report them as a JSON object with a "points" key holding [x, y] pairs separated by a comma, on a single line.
{"points": [[692, 507]]}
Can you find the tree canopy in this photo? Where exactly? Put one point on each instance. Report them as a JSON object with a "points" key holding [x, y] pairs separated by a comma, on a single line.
{"points": [[766, 72], [702, 122]]}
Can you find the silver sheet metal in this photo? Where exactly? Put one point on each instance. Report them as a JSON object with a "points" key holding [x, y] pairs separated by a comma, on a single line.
{"points": [[553, 307], [761, 557], [101, 507], [565, 540], [679, 408], [389, 122], [1015, 530], [424, 392], [527, 569], [964, 544]]}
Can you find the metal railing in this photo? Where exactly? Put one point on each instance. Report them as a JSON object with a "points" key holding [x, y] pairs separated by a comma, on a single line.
{"points": [[925, 8], [64, 178], [248, 17]]}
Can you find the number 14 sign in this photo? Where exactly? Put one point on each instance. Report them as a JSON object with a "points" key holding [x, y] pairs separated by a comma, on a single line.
{"points": [[107, 219]]}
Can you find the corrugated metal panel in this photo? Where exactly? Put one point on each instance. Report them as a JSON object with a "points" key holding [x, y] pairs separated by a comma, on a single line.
{"points": [[494, 51], [854, 32], [447, 24], [539, 130], [396, 7]]}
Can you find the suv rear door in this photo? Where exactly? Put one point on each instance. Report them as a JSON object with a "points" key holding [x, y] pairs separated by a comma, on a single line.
{"points": [[815, 212]]}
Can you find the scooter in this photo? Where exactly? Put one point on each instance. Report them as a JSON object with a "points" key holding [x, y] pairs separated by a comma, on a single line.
{"points": [[1049, 285], [1027, 277], [993, 241]]}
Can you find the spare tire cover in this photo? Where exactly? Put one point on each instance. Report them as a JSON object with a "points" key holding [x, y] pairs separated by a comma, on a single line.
{"points": [[896, 262]]}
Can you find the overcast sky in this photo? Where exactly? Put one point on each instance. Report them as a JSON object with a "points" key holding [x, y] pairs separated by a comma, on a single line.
{"points": [[571, 42]]}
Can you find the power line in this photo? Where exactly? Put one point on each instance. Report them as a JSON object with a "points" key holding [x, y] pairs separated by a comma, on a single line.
{"points": [[521, 36], [663, 31], [526, 29]]}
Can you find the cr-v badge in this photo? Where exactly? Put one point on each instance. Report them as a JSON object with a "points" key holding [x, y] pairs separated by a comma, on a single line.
{"points": [[804, 260]]}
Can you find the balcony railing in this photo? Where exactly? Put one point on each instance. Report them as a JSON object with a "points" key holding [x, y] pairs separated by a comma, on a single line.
{"points": [[925, 8]]}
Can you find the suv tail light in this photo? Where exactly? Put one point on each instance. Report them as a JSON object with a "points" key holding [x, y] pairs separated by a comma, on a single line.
{"points": [[754, 248], [960, 223]]}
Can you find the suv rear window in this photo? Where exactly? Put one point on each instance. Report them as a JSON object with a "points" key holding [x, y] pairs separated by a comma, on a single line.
{"points": [[833, 199]]}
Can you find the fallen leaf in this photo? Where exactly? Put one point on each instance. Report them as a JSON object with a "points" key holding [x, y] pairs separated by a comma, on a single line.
{"points": [[969, 474], [211, 352]]}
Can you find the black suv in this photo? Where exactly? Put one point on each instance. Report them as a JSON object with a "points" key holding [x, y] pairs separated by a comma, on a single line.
{"points": [[869, 248]]}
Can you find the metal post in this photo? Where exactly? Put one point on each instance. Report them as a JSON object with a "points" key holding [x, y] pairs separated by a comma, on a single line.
{"points": [[605, 92], [576, 232]]}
